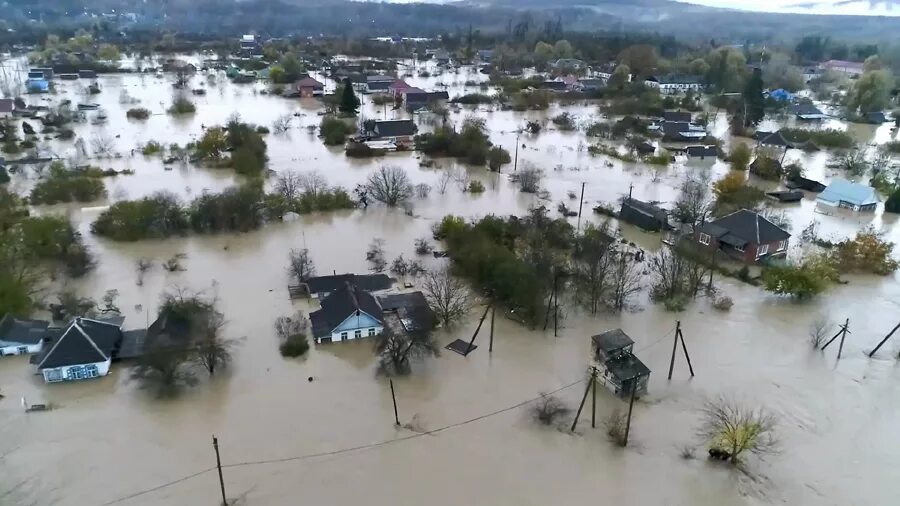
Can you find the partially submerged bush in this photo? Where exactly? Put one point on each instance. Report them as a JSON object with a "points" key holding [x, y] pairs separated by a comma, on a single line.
{"points": [[475, 187], [291, 331], [181, 105], [548, 410], [137, 113], [723, 303], [334, 131]]}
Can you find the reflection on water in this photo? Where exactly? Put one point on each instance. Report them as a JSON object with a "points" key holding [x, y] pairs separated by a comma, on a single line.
{"points": [[108, 439]]}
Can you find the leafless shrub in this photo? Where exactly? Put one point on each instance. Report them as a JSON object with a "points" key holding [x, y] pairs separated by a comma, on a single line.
{"points": [[818, 331], [400, 266], [312, 183], [282, 123], [723, 303], [422, 190], [687, 452], [103, 145], [731, 428], [529, 179], [375, 256], [616, 424], [300, 264], [446, 177], [143, 265], [423, 247], [174, 264], [548, 410]]}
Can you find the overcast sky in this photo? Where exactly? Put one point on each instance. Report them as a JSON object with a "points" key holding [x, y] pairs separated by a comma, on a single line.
{"points": [[865, 7]]}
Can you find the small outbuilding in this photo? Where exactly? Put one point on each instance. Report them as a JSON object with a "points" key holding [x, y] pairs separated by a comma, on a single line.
{"points": [[617, 367], [644, 215], [19, 336], [849, 195]]}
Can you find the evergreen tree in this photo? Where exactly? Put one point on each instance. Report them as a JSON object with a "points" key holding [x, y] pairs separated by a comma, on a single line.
{"points": [[753, 99], [892, 205], [349, 101]]}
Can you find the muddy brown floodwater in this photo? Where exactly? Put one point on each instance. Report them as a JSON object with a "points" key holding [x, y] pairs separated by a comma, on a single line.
{"points": [[283, 438]]}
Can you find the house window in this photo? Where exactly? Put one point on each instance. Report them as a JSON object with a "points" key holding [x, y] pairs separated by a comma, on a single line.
{"points": [[704, 239], [740, 248], [343, 336], [763, 249], [357, 334], [22, 350], [54, 375], [371, 332], [782, 245]]}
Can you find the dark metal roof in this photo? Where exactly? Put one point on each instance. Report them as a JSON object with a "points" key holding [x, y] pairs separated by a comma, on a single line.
{"points": [[84, 341], [395, 128], [553, 85], [367, 282], [805, 184], [133, 343], [746, 226], [807, 109], [627, 367], [647, 208], [677, 116], [611, 340], [786, 196], [412, 309], [341, 304], [15, 330], [394, 301], [702, 151]]}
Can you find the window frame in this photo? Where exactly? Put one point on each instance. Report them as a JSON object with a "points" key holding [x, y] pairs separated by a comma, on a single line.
{"points": [[344, 336], [372, 332], [762, 249], [708, 239], [782, 245], [357, 333]]}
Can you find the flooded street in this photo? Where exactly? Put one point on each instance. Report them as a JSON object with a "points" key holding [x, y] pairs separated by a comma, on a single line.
{"points": [[286, 440]]}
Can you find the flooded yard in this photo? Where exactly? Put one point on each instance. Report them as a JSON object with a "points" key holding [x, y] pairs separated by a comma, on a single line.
{"points": [[468, 437]]}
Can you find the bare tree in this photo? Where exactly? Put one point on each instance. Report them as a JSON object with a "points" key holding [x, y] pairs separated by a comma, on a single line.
{"points": [[103, 145], [676, 276], [288, 185], [423, 247], [547, 410], [529, 179], [164, 368], [462, 178], [375, 256], [282, 123], [592, 265], [446, 177], [143, 265], [731, 428], [422, 190], [390, 185], [300, 264], [313, 183], [615, 424], [447, 296], [211, 349], [395, 351], [625, 281], [109, 302], [819, 330], [694, 201]]}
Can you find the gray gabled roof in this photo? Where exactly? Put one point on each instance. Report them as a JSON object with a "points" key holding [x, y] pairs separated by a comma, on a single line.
{"points": [[368, 282], [395, 128], [679, 116], [84, 341], [341, 304], [14, 331], [611, 340], [745, 227]]}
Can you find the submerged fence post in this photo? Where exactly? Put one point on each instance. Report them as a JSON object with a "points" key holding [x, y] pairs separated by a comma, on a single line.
{"points": [[394, 398], [219, 467]]}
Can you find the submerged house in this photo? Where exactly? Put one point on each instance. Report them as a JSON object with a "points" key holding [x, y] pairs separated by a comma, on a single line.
{"points": [[347, 313], [19, 336], [806, 111], [83, 350], [308, 87], [400, 131], [702, 152], [848, 195], [745, 235], [682, 131], [617, 367], [670, 84], [644, 215], [322, 286]]}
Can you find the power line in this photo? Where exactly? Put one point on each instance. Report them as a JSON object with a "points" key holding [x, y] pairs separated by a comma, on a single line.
{"points": [[342, 450], [654, 343]]}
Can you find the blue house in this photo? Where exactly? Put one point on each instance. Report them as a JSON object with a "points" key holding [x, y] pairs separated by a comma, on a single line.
{"points": [[854, 196], [37, 85], [347, 313]]}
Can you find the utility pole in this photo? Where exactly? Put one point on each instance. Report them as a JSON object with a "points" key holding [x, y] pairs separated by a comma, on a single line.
{"points": [[843, 334], [394, 398], [516, 162], [593, 397], [555, 306], [219, 467], [630, 409], [580, 205], [491, 342], [679, 337], [884, 340], [583, 398], [630, 189], [478, 329]]}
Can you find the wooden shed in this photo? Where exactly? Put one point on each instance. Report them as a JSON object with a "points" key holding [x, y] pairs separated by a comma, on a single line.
{"points": [[617, 367]]}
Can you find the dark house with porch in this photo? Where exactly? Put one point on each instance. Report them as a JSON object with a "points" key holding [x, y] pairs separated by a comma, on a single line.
{"points": [[347, 313], [322, 286], [644, 215], [744, 235], [617, 367]]}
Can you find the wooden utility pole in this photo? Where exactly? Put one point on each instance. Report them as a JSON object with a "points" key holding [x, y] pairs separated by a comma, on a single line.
{"points": [[516, 162], [593, 397], [219, 467], [555, 306], [679, 337], [884, 340], [630, 409], [477, 329], [580, 205], [842, 334], [394, 398], [550, 302], [581, 406], [491, 343]]}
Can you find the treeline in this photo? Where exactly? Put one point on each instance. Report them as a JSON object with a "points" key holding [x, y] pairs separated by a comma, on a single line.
{"points": [[470, 143], [238, 209]]}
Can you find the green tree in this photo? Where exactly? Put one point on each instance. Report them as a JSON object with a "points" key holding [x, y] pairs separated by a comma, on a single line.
{"points": [[641, 59], [872, 92], [292, 67], [754, 101], [349, 100], [620, 77], [543, 52], [277, 74], [108, 52], [892, 205], [740, 156], [563, 49], [726, 69]]}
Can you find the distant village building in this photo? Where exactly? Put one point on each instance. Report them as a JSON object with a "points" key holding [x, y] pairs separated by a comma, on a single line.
{"points": [[807, 111], [554, 85], [415, 98], [569, 64], [848, 195], [399, 131], [308, 87], [486, 55], [672, 84], [617, 367], [745, 235], [19, 336], [378, 83], [849, 68], [7, 107], [703, 152]]}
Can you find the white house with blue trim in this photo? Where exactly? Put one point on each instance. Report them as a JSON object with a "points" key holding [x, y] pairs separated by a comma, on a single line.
{"points": [[347, 313], [83, 350], [21, 336]]}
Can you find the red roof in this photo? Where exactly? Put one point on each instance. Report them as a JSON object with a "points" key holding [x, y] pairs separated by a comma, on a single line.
{"points": [[308, 82]]}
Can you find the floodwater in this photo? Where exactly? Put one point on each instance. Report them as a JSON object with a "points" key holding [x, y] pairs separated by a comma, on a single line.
{"points": [[286, 440]]}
